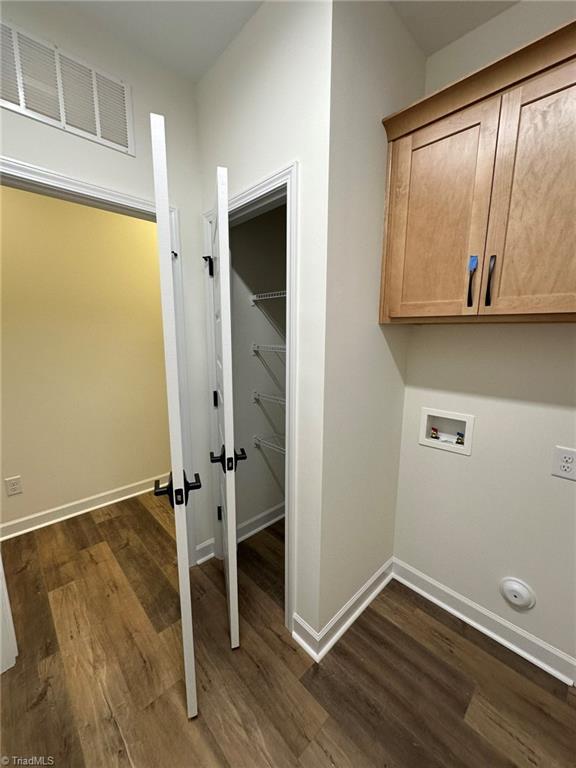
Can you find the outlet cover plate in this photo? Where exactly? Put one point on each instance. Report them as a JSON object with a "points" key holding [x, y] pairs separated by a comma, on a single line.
{"points": [[13, 485], [564, 463]]}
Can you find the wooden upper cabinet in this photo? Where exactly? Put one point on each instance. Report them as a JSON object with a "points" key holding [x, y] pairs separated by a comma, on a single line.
{"points": [[532, 230], [481, 210], [439, 202]]}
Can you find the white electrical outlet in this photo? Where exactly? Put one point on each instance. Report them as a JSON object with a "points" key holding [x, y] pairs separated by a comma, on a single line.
{"points": [[564, 462], [13, 485]]}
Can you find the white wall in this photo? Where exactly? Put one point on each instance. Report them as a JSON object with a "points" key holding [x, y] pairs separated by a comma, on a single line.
{"points": [[264, 104], [377, 69], [469, 521], [258, 249], [153, 89], [521, 24]]}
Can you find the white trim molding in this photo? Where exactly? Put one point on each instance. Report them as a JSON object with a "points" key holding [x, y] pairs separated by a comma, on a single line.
{"points": [[34, 176], [55, 515], [317, 644], [259, 522], [533, 649], [207, 549], [540, 653]]}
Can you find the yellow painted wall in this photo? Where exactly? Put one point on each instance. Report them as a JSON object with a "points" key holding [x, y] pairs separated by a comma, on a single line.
{"points": [[83, 391]]}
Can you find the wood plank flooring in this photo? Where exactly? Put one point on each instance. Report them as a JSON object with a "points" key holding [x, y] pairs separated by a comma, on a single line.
{"points": [[98, 682]]}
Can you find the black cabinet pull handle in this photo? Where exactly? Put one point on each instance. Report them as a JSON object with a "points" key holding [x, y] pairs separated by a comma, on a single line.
{"points": [[239, 456], [492, 263], [221, 459], [472, 267]]}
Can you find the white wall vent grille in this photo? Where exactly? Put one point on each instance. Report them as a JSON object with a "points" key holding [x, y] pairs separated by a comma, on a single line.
{"points": [[78, 95], [112, 108], [39, 80], [8, 80]]}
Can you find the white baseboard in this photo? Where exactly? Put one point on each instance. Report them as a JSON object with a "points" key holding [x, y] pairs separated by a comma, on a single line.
{"points": [[206, 549], [40, 519], [533, 649], [317, 644], [538, 652], [259, 522]]}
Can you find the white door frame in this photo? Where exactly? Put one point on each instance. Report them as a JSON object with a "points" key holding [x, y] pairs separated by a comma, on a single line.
{"points": [[36, 179], [286, 177]]}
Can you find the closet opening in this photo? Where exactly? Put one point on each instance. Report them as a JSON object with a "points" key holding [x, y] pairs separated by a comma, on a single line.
{"points": [[258, 239]]}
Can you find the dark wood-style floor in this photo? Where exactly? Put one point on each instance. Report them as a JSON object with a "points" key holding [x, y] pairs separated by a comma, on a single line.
{"points": [[99, 678]]}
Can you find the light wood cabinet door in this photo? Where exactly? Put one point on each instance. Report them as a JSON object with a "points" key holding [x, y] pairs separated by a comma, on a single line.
{"points": [[532, 230], [441, 178]]}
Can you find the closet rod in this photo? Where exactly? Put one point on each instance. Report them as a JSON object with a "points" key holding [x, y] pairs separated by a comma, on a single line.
{"points": [[257, 348], [268, 398], [268, 442], [268, 295]]}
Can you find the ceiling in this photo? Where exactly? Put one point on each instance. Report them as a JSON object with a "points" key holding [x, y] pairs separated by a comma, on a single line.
{"points": [[186, 37], [434, 24]]}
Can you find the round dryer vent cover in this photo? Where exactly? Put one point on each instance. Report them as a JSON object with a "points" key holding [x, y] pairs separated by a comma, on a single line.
{"points": [[517, 593]]}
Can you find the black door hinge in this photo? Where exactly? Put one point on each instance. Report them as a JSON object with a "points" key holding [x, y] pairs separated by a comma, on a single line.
{"points": [[219, 513], [215, 398], [210, 262], [174, 255]]}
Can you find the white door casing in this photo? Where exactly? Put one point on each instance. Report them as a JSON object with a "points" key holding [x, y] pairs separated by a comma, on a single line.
{"points": [[179, 493], [224, 456], [285, 179]]}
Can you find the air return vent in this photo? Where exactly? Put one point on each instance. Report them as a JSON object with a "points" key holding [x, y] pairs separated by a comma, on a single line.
{"points": [[39, 80], [111, 97], [78, 95], [8, 78]]}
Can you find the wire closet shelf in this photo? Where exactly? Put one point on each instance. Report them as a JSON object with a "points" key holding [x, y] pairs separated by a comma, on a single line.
{"points": [[273, 442], [258, 348], [262, 396], [267, 295]]}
